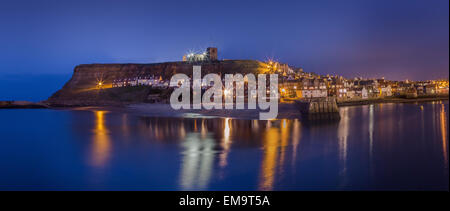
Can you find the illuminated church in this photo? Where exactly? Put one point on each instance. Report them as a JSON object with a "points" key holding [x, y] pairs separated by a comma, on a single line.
{"points": [[209, 55]]}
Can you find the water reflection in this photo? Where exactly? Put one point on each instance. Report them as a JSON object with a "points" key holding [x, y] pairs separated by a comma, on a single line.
{"points": [[342, 133], [271, 144], [296, 136], [206, 145], [371, 119], [100, 140], [366, 146], [200, 150], [197, 162], [371, 144], [443, 124], [276, 138], [226, 142], [284, 135], [125, 125], [376, 147]]}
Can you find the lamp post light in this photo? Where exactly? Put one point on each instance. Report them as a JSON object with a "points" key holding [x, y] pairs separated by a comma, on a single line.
{"points": [[100, 85]]}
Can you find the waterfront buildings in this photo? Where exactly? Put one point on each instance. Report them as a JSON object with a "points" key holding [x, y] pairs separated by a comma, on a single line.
{"points": [[295, 83]]}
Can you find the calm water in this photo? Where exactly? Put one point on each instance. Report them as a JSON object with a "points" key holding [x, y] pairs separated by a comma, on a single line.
{"points": [[376, 147]]}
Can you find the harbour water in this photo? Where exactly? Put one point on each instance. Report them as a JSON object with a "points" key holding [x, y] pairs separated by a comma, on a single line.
{"points": [[371, 147]]}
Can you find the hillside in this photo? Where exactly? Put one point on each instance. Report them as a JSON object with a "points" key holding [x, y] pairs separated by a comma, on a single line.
{"points": [[82, 89]]}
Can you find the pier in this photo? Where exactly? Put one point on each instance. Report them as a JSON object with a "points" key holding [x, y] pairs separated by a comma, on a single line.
{"points": [[318, 105], [319, 108]]}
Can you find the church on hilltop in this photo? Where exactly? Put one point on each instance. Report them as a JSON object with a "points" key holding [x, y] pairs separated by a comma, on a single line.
{"points": [[209, 55]]}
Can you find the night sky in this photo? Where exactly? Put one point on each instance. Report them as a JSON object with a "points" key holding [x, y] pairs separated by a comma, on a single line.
{"points": [[398, 39]]}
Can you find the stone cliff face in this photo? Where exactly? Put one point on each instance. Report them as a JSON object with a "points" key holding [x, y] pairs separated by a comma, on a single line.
{"points": [[82, 90]]}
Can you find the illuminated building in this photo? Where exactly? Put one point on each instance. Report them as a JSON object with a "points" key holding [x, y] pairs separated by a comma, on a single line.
{"points": [[209, 55]]}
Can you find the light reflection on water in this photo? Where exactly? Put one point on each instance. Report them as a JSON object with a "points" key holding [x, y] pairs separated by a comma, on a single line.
{"points": [[197, 162], [443, 117], [225, 141], [373, 147], [100, 140], [206, 143], [343, 131], [270, 158]]}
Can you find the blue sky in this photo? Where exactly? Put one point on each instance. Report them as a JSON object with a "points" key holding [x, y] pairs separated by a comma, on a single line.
{"points": [[371, 38]]}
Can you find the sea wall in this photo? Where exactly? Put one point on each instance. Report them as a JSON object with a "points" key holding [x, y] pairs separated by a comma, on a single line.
{"points": [[318, 106]]}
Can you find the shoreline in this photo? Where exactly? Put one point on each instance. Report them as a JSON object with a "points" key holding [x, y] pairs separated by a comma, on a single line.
{"points": [[22, 105], [288, 111], [285, 110], [390, 100]]}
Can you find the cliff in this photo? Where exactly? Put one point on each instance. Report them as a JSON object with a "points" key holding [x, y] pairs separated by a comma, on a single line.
{"points": [[82, 89]]}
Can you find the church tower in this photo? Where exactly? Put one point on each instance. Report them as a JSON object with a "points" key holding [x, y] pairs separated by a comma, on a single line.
{"points": [[211, 53]]}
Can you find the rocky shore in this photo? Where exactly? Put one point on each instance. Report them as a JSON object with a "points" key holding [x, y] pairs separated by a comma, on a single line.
{"points": [[22, 104]]}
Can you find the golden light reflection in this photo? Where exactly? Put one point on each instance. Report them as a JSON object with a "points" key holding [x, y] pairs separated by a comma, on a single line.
{"points": [[226, 142], [443, 124], [269, 162], [255, 125], [204, 129], [182, 131], [101, 141], [296, 135], [275, 140], [226, 130], [284, 140]]}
